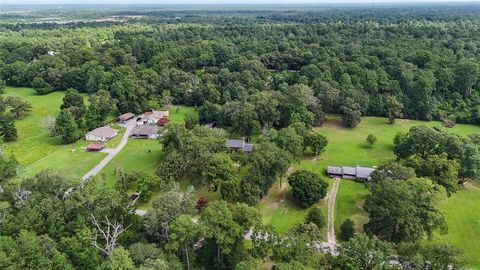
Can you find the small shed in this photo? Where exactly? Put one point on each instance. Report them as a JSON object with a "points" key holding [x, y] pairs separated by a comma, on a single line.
{"points": [[236, 144], [94, 147], [125, 117]]}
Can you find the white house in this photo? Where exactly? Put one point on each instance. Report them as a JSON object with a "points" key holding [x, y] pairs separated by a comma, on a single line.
{"points": [[101, 134]]}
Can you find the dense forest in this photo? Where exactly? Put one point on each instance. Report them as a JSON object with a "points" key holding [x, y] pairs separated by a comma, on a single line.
{"points": [[420, 69], [268, 75]]}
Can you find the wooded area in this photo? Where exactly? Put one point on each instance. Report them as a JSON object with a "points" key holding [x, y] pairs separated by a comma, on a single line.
{"points": [[267, 77]]}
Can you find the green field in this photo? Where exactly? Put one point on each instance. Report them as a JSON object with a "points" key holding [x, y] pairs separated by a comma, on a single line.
{"points": [[36, 150], [347, 147], [34, 142], [135, 156], [280, 210], [179, 112], [462, 212], [349, 204]]}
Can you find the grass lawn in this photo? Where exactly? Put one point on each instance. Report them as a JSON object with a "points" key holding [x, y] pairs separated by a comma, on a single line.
{"points": [[347, 147], [462, 212], [279, 208], [36, 150], [179, 112], [69, 160], [135, 156], [350, 197], [34, 142]]}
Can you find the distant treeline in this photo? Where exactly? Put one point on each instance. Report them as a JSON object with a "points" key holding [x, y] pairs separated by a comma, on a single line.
{"points": [[420, 64]]}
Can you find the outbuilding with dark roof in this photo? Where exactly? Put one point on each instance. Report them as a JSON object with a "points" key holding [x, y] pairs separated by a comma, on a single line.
{"points": [[147, 132], [362, 173], [239, 145], [125, 117]]}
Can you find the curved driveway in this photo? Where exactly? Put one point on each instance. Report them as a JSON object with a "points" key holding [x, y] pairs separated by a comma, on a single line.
{"points": [[111, 152]]}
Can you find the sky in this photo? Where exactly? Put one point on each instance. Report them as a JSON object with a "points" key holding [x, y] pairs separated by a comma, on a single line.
{"points": [[170, 2]]}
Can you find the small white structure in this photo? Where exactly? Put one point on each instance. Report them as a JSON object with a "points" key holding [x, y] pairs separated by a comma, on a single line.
{"points": [[52, 53], [101, 134]]}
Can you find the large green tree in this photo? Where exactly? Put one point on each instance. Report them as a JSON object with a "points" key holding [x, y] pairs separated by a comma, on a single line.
{"points": [[404, 210], [8, 131], [308, 187], [66, 127], [366, 253]]}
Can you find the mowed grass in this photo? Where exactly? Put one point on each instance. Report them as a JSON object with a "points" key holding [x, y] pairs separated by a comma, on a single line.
{"points": [[279, 209], [36, 149], [462, 212], [69, 160], [34, 141], [139, 155], [347, 147], [179, 112], [349, 202]]}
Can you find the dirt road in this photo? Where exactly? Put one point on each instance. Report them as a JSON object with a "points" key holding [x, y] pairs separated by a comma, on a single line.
{"points": [[332, 195]]}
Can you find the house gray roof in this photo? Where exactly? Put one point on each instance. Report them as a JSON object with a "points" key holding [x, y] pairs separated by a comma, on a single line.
{"points": [[248, 147], [364, 173], [105, 132], [146, 130], [232, 143], [358, 172], [349, 170], [239, 144], [334, 170]]}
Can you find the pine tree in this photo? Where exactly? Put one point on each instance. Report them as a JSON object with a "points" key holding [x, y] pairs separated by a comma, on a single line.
{"points": [[7, 128], [66, 127]]}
